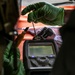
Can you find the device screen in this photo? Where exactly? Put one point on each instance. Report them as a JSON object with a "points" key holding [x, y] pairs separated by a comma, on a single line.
{"points": [[41, 49]]}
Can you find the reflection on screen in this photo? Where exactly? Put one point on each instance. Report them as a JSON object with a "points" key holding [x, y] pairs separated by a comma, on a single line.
{"points": [[40, 50]]}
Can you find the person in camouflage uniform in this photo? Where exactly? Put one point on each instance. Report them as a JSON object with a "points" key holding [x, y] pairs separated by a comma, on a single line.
{"points": [[8, 19]]}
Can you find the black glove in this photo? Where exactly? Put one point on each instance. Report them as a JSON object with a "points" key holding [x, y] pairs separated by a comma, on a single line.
{"points": [[44, 13]]}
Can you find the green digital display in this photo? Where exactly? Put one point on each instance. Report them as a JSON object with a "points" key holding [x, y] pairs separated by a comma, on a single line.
{"points": [[40, 50]]}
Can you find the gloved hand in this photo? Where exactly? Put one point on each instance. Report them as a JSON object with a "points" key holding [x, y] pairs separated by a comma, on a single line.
{"points": [[8, 62], [44, 13]]}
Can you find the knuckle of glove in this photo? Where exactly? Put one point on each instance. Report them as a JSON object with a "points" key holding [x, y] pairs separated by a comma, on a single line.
{"points": [[32, 17]]}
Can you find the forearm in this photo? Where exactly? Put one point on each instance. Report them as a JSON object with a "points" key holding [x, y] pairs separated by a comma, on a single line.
{"points": [[2, 49], [1, 59]]}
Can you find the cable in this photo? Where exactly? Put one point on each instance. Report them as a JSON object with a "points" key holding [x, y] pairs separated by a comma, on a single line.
{"points": [[34, 28]]}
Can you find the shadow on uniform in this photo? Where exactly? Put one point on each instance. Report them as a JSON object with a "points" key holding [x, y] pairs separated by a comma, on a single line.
{"points": [[65, 61]]}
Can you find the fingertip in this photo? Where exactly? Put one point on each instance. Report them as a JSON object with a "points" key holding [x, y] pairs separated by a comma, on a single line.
{"points": [[23, 12]]}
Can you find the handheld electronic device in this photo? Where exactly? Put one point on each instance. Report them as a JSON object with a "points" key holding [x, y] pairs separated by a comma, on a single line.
{"points": [[39, 56]]}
